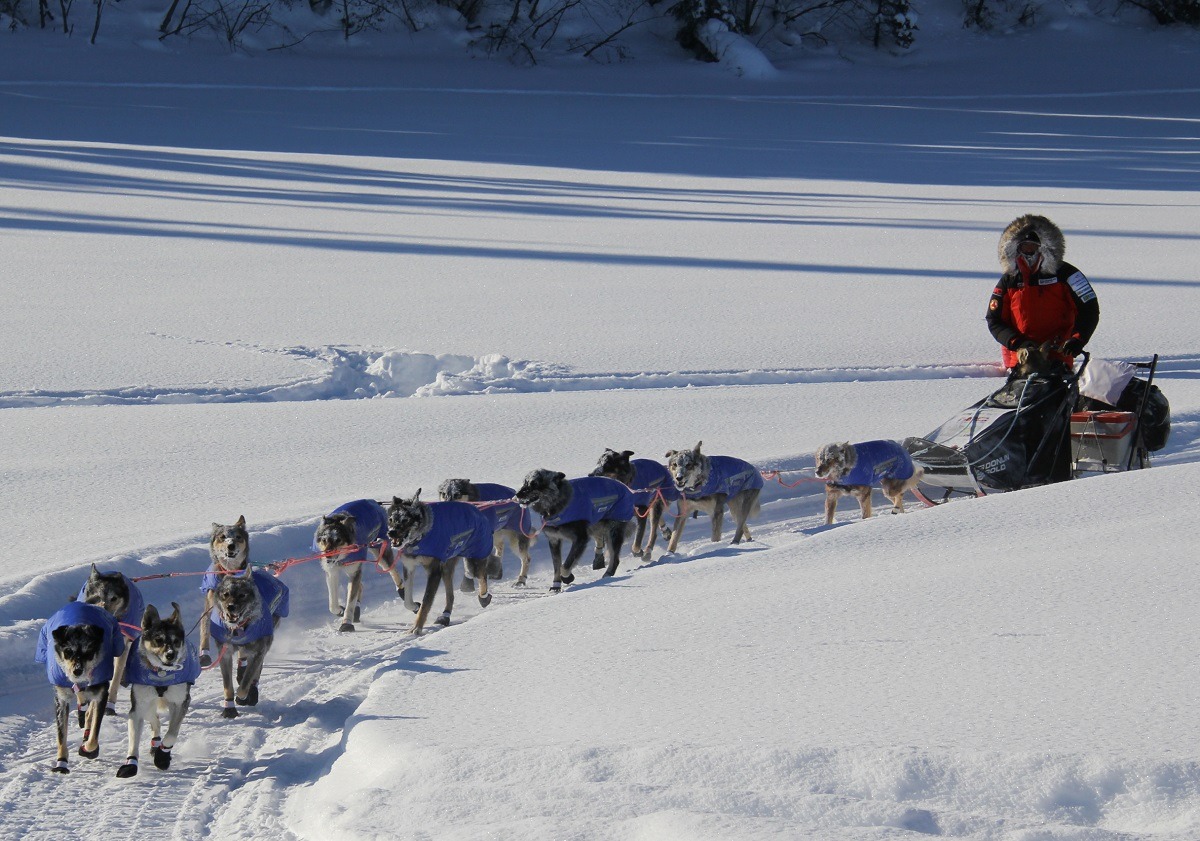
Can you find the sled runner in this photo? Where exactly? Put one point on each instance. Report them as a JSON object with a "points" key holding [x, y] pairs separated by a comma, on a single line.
{"points": [[1037, 430]]}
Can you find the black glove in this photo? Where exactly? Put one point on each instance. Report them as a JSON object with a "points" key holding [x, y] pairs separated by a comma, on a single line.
{"points": [[1073, 347]]}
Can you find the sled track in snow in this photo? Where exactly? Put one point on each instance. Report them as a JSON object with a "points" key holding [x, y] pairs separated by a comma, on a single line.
{"points": [[342, 373]]}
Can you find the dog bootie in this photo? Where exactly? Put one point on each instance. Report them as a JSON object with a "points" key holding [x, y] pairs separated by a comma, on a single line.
{"points": [[60, 767], [129, 769], [251, 698], [162, 758]]}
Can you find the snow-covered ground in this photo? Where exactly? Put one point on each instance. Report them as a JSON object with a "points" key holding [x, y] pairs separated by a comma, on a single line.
{"points": [[265, 286]]}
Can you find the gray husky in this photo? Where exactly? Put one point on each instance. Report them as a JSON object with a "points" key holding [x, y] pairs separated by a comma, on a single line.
{"points": [[228, 551], [79, 644], [249, 607], [117, 594], [711, 484], [163, 665], [434, 535], [509, 523], [574, 510], [343, 538]]}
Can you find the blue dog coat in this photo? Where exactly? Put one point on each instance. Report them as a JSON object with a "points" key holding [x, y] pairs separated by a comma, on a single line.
{"points": [[505, 515], [274, 595], [459, 529], [651, 478], [727, 475], [79, 613], [595, 498], [130, 622], [137, 672], [878, 460], [370, 524]]}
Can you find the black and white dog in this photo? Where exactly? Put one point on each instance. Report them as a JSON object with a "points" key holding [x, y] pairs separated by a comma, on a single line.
{"points": [[653, 492], [249, 607], [711, 484], [228, 551], [434, 535], [79, 645], [574, 509], [855, 469], [510, 523], [355, 524], [163, 665], [116, 593]]}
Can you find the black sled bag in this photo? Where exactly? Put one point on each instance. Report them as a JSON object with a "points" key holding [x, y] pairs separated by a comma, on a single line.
{"points": [[1014, 438]]}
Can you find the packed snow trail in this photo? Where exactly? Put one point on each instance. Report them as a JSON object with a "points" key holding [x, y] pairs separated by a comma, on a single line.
{"points": [[228, 777]]}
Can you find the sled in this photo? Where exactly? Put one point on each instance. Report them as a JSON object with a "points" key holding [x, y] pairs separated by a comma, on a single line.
{"points": [[1014, 438]]}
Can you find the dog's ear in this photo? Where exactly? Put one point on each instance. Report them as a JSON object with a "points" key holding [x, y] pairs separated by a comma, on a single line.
{"points": [[216, 528], [176, 617], [149, 616], [416, 497], [60, 634], [95, 572], [626, 453], [241, 521], [696, 451], [396, 501], [670, 454], [560, 476]]}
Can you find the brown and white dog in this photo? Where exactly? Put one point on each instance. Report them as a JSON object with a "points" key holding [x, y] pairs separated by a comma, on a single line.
{"points": [[854, 469], [228, 551]]}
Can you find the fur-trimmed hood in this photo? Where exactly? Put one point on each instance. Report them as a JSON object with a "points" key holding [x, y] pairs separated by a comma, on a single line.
{"points": [[1053, 244]]}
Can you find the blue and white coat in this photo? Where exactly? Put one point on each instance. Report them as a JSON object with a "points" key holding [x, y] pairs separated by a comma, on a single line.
{"points": [[877, 460], [727, 475], [370, 524], [595, 498], [274, 595], [139, 673], [650, 479], [80, 613], [507, 514], [458, 529]]}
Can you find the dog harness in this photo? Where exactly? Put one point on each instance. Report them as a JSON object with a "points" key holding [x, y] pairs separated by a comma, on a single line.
{"points": [[130, 622], [458, 529], [274, 596], [80, 613], [727, 475], [877, 460], [138, 671], [508, 514], [651, 479], [595, 498], [370, 524]]}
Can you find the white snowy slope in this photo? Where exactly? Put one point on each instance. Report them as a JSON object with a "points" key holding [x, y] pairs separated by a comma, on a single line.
{"points": [[267, 285]]}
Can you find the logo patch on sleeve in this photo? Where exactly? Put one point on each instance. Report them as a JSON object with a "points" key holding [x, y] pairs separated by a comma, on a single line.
{"points": [[1081, 286], [994, 305]]}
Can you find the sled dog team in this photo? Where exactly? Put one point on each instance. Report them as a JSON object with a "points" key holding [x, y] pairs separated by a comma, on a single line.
{"points": [[105, 637]]}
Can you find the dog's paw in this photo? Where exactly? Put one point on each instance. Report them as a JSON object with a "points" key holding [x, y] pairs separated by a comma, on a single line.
{"points": [[60, 767], [556, 587], [129, 769], [89, 754], [82, 714], [568, 578], [229, 712], [345, 626], [467, 585], [241, 670], [442, 620], [162, 758], [598, 563], [484, 601], [251, 699], [110, 710], [357, 613], [520, 582], [400, 592], [205, 660]]}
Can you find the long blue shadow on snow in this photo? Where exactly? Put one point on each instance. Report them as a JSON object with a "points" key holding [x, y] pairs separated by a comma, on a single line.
{"points": [[1133, 140]]}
